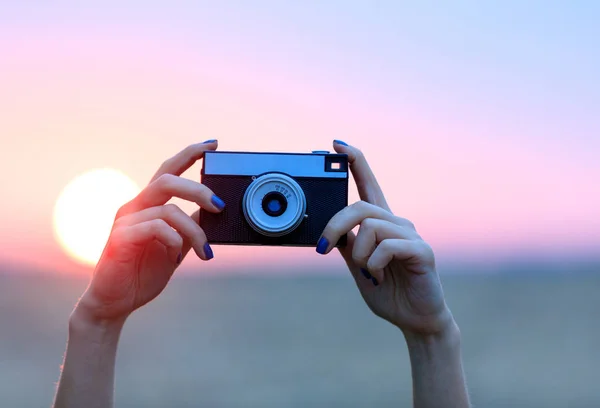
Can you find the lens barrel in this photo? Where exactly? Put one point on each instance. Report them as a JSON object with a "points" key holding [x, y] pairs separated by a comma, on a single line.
{"points": [[274, 204]]}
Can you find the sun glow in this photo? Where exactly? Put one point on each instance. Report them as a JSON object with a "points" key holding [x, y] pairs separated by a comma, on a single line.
{"points": [[85, 211]]}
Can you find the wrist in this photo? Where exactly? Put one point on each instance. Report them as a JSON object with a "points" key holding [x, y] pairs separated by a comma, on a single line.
{"points": [[85, 320], [436, 366], [446, 336], [87, 378]]}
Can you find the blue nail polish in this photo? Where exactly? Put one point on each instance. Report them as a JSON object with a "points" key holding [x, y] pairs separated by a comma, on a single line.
{"points": [[217, 202], [179, 258], [374, 281], [209, 141], [322, 245], [208, 251], [340, 142], [366, 273]]}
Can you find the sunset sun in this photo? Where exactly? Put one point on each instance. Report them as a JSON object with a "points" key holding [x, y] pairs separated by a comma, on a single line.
{"points": [[85, 210]]}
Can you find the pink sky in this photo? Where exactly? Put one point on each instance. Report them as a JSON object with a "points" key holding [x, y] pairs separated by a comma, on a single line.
{"points": [[473, 174]]}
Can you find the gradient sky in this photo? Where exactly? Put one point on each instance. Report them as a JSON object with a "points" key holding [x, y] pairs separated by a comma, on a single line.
{"points": [[481, 119]]}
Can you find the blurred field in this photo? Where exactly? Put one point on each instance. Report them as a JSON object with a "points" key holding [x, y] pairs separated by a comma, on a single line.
{"points": [[528, 341]]}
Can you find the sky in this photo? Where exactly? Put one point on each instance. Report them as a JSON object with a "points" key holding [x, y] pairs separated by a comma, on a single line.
{"points": [[480, 119]]}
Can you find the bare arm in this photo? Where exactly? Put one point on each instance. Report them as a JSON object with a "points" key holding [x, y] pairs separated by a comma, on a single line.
{"points": [[437, 372], [87, 379]]}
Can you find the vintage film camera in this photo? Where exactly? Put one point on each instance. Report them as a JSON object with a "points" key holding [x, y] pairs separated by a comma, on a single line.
{"points": [[273, 198]]}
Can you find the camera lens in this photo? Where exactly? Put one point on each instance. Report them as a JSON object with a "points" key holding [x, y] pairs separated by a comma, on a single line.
{"points": [[274, 204]]}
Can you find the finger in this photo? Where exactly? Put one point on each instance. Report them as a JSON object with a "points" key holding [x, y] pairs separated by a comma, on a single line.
{"points": [[185, 159], [148, 231], [346, 252], [371, 233], [366, 182], [347, 219], [360, 275], [168, 186], [190, 230], [409, 251], [187, 244]]}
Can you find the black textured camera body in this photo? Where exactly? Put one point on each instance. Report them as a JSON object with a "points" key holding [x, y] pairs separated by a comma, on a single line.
{"points": [[324, 197]]}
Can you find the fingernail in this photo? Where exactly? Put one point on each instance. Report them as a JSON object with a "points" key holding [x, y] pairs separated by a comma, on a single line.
{"points": [[179, 258], [322, 245], [340, 142], [366, 273], [208, 251], [209, 141], [217, 202], [374, 281]]}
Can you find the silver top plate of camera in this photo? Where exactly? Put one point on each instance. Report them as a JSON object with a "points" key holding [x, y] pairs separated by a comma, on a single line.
{"points": [[253, 164]]}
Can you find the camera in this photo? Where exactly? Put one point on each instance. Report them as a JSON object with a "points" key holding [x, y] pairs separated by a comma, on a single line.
{"points": [[278, 199]]}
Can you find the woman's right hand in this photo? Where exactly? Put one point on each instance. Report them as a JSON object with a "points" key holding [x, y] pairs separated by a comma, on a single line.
{"points": [[149, 239]]}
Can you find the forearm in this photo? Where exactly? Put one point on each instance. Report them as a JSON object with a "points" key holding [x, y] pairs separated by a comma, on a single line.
{"points": [[438, 377], [87, 378]]}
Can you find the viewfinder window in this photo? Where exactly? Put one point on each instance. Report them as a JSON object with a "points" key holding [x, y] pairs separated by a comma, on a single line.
{"points": [[336, 163]]}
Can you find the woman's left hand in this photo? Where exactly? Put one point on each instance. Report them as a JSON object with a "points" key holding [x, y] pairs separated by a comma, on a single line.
{"points": [[393, 266]]}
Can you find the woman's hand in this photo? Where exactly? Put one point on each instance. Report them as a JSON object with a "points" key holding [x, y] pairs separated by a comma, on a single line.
{"points": [[395, 273], [150, 239], [392, 265]]}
